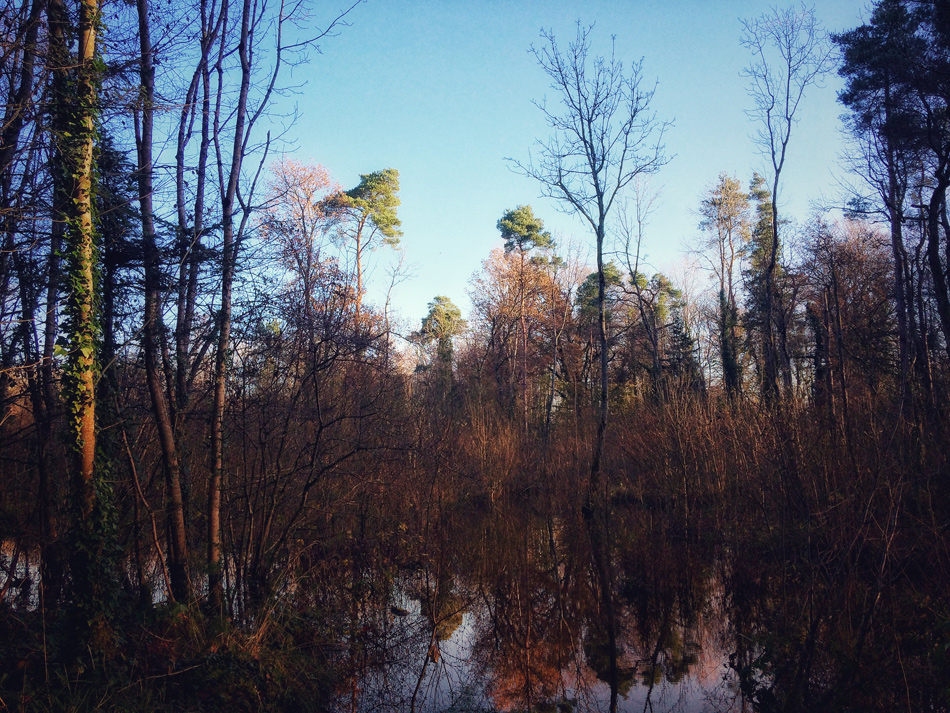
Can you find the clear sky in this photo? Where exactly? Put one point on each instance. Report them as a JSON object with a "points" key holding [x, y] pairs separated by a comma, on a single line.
{"points": [[442, 90]]}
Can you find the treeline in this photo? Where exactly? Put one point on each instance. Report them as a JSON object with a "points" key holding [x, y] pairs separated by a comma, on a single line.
{"points": [[216, 452]]}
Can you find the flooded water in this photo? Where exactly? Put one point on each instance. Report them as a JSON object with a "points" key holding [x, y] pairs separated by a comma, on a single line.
{"points": [[474, 606], [18, 575], [510, 615], [525, 607], [476, 669]]}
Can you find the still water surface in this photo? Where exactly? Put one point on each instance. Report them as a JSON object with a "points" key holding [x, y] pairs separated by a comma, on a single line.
{"points": [[512, 618], [472, 673]]}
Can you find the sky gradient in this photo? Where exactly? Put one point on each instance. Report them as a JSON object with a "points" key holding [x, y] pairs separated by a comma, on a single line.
{"points": [[442, 90]]}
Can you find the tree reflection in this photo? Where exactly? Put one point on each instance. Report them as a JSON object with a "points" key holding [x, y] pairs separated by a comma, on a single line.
{"points": [[533, 596], [506, 608], [544, 635]]}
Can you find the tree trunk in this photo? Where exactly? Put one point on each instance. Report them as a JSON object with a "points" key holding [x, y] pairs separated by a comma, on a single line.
{"points": [[228, 264], [597, 463], [178, 555], [937, 272], [74, 126], [893, 201], [770, 391]]}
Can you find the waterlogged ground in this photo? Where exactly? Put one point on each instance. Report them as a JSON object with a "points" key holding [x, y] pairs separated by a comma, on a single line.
{"points": [[509, 615], [526, 603], [471, 671]]}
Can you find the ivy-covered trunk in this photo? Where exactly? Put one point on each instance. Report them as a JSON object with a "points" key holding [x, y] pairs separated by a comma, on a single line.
{"points": [[75, 128], [81, 260]]}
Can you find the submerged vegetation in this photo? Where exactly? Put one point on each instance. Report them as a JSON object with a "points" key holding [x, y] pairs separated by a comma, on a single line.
{"points": [[600, 490]]}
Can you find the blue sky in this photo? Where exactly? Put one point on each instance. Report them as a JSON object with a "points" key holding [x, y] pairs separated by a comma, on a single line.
{"points": [[442, 90]]}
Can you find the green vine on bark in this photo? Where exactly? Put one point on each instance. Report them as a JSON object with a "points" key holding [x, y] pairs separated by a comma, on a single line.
{"points": [[93, 515]]}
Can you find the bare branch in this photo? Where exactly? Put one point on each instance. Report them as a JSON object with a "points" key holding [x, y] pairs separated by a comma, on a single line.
{"points": [[604, 136]]}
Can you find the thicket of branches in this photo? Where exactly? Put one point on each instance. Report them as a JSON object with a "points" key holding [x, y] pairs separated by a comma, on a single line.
{"points": [[216, 454]]}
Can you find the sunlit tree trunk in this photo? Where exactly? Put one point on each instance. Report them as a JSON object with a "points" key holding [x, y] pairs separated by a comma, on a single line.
{"points": [[74, 127]]}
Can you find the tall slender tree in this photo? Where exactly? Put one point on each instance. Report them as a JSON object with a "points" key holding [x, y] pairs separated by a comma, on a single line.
{"points": [[264, 51], [367, 217], [725, 219], [153, 324], [523, 233], [604, 136], [790, 53], [78, 76]]}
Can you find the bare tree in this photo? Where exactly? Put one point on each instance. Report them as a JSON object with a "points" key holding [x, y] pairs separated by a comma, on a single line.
{"points": [[153, 326], [631, 227], [604, 136], [790, 53], [262, 27]]}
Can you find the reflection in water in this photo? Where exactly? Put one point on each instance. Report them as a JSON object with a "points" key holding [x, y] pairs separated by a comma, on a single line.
{"points": [[508, 616], [505, 607], [18, 575]]}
